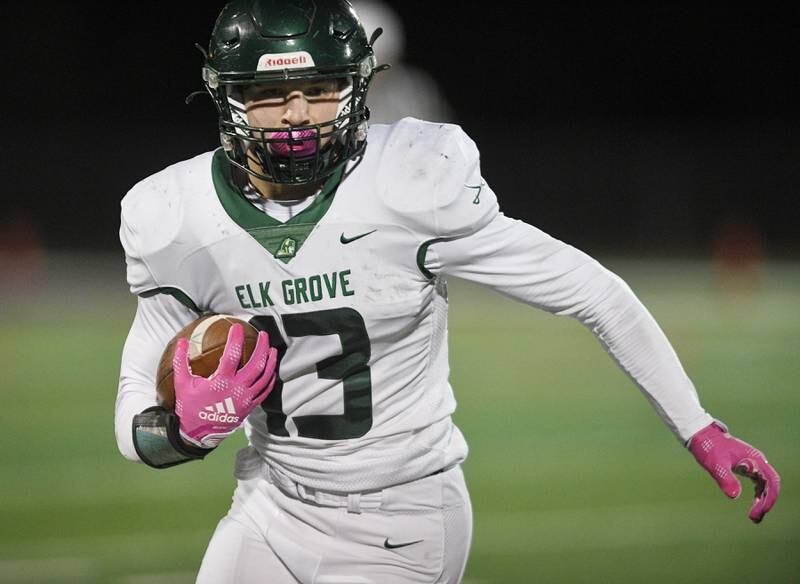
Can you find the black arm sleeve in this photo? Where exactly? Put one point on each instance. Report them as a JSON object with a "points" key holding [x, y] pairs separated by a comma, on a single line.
{"points": [[157, 440]]}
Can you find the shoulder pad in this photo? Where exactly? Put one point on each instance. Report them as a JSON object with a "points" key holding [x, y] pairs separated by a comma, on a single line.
{"points": [[430, 176], [152, 218]]}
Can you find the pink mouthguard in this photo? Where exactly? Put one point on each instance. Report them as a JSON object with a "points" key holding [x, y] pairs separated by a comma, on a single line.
{"points": [[300, 148]]}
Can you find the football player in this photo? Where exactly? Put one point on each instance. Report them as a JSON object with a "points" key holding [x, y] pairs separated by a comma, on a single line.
{"points": [[335, 239]]}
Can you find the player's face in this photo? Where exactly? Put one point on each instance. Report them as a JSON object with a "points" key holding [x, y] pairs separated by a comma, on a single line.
{"points": [[286, 104], [283, 105]]}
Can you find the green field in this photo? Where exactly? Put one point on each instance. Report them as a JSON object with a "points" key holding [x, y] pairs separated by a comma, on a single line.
{"points": [[573, 476]]}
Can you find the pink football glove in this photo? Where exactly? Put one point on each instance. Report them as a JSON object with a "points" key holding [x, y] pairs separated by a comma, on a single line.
{"points": [[720, 453], [210, 409]]}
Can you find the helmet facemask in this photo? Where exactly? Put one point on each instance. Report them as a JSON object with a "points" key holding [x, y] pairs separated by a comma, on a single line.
{"points": [[257, 42], [295, 154]]}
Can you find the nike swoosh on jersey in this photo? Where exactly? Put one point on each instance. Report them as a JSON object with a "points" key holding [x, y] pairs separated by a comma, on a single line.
{"points": [[394, 546], [345, 240]]}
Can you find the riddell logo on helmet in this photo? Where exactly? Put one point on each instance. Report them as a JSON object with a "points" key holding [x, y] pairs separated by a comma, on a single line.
{"points": [[278, 61]]}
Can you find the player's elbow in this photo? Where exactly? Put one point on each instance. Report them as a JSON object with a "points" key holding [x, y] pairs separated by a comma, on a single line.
{"points": [[614, 304], [127, 406], [133, 397], [123, 431], [601, 297]]}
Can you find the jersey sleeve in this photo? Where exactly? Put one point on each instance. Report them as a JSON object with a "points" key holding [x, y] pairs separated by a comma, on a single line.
{"points": [[157, 320], [430, 177], [530, 266]]}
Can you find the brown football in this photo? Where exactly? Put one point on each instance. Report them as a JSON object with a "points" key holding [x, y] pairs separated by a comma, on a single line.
{"points": [[207, 337]]}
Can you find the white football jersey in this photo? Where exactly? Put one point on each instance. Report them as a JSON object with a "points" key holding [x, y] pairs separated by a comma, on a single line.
{"points": [[351, 291], [363, 399]]}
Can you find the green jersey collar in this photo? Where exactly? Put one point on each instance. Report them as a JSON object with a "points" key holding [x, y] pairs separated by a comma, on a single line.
{"points": [[282, 240], [249, 217]]}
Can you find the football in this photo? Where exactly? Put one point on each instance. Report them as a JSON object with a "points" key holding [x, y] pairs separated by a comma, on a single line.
{"points": [[207, 337]]}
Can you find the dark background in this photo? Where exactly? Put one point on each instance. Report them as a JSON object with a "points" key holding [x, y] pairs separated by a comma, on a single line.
{"points": [[655, 131]]}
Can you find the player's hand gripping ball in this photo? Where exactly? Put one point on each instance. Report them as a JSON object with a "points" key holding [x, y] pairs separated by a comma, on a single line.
{"points": [[207, 337], [214, 385]]}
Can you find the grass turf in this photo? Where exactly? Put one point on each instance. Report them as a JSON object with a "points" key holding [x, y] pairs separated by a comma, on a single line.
{"points": [[573, 477]]}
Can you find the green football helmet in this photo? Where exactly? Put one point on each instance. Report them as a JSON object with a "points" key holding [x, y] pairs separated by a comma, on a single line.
{"points": [[259, 41]]}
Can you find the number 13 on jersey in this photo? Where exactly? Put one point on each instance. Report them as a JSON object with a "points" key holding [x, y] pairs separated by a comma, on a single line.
{"points": [[351, 367]]}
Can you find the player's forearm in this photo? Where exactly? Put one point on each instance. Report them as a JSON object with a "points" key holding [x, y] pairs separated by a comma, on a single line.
{"points": [[146, 432], [630, 334], [130, 402], [157, 318], [528, 265]]}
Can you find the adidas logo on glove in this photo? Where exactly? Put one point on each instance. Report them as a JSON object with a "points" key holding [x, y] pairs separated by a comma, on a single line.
{"points": [[220, 412]]}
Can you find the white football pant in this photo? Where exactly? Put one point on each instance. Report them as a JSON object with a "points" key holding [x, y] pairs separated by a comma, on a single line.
{"points": [[278, 532]]}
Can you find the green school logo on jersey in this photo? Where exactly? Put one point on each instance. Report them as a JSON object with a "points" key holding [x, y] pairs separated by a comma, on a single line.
{"points": [[287, 249]]}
